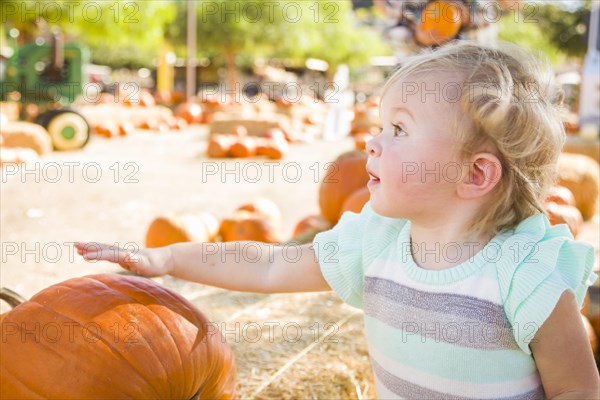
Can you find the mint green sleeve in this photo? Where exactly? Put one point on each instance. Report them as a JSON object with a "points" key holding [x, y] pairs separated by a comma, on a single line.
{"points": [[537, 265], [344, 251]]}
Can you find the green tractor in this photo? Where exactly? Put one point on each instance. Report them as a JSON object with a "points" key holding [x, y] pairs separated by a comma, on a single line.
{"points": [[50, 76]]}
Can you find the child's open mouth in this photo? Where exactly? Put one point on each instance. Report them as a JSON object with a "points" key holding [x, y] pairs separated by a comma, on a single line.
{"points": [[374, 179]]}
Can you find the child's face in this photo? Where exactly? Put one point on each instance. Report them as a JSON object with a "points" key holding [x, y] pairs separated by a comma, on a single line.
{"points": [[414, 162]]}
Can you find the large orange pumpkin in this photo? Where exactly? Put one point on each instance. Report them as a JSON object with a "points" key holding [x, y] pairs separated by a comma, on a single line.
{"points": [[111, 336], [357, 200], [185, 227], [343, 177]]}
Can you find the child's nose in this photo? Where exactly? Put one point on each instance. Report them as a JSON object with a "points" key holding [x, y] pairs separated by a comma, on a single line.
{"points": [[373, 147]]}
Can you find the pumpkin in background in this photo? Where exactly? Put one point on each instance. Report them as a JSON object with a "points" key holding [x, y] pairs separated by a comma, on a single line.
{"points": [[274, 149], [563, 214], [246, 225], [126, 128], [111, 336], [244, 146], [311, 222], [219, 146], [265, 207], [357, 200], [440, 22], [191, 112], [176, 228], [561, 195], [343, 177], [581, 175]]}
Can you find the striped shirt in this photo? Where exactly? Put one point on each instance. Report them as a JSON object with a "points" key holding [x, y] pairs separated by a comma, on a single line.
{"points": [[462, 332]]}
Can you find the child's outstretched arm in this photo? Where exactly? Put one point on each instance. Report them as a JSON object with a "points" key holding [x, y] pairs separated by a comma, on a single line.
{"points": [[243, 266], [563, 355]]}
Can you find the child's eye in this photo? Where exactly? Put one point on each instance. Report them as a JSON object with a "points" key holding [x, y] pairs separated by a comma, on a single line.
{"points": [[398, 130]]}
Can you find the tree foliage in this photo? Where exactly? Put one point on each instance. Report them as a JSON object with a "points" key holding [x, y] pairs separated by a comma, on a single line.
{"points": [[548, 29], [119, 33], [230, 31]]}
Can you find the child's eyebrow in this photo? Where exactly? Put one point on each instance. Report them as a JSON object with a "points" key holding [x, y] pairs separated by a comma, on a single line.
{"points": [[404, 110]]}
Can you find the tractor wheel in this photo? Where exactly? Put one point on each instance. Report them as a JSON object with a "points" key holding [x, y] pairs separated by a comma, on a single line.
{"points": [[68, 129]]}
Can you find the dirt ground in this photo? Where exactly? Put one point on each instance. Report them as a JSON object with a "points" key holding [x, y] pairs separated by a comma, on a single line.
{"points": [[111, 190]]}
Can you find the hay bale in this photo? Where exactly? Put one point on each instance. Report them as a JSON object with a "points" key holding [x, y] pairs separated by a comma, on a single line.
{"points": [[581, 175], [256, 126], [27, 135], [579, 146]]}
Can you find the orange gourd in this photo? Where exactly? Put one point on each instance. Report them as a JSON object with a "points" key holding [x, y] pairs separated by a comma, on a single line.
{"points": [[310, 223], [219, 146], [561, 195], [564, 214], [190, 112], [275, 149], [357, 200], [246, 225], [343, 177], [112, 336], [244, 147], [265, 207], [176, 228], [440, 22]]}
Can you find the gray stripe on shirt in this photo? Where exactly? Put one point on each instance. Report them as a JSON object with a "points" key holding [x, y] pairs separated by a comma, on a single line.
{"points": [[437, 327], [467, 307], [408, 390]]}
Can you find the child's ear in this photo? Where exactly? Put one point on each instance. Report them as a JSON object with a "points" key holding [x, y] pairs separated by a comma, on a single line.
{"points": [[484, 171]]}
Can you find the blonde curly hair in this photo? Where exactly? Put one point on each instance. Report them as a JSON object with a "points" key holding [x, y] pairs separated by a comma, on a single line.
{"points": [[512, 104]]}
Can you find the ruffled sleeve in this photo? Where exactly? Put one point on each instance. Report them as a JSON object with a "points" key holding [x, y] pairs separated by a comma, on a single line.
{"points": [[344, 251], [536, 265]]}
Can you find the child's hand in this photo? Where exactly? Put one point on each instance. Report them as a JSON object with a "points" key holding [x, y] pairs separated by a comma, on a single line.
{"points": [[148, 262]]}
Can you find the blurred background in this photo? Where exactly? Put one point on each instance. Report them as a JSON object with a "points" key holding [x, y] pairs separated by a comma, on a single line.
{"points": [[144, 123]]}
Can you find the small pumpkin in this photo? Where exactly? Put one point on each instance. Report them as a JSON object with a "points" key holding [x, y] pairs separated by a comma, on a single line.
{"points": [[219, 146], [243, 147], [185, 227], [108, 129], [191, 112], [126, 129], [581, 175], [343, 177], [246, 225], [440, 21], [310, 223], [564, 214], [112, 336], [275, 149], [561, 195]]}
